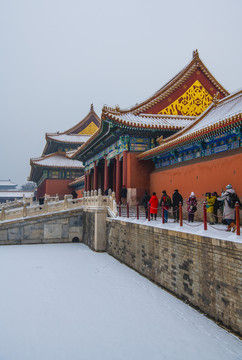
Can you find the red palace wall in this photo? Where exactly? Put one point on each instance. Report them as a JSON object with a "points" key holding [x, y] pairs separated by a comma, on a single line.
{"points": [[138, 176], [138, 172], [200, 177], [54, 186]]}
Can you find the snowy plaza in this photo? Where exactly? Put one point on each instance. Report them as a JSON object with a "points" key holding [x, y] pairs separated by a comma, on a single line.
{"points": [[64, 301]]}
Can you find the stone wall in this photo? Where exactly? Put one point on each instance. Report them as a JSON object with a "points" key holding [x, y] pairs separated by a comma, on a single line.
{"points": [[94, 228], [204, 272], [65, 226]]}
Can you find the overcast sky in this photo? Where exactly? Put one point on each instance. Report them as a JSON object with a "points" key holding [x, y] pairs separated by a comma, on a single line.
{"points": [[59, 56]]}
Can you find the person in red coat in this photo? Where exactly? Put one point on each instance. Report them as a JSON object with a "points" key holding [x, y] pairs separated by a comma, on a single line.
{"points": [[153, 205]]}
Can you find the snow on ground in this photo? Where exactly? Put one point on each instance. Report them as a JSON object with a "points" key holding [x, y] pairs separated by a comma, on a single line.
{"points": [[64, 301], [217, 231]]}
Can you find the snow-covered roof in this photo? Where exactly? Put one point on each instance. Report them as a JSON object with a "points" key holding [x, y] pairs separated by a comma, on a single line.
{"points": [[226, 108], [16, 194], [57, 160], [219, 114], [72, 138], [7, 183], [159, 121]]}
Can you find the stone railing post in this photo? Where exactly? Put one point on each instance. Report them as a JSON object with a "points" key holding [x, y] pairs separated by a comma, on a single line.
{"points": [[99, 198], [3, 215], [114, 205], [57, 198], [65, 202], [46, 206], [24, 209]]}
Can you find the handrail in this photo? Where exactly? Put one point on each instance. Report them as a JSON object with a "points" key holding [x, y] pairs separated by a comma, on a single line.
{"points": [[90, 199]]}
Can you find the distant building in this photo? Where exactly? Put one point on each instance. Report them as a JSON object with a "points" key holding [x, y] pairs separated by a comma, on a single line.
{"points": [[54, 171], [7, 185], [8, 192]]}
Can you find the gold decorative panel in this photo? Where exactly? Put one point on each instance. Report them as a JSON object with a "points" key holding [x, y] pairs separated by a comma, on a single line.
{"points": [[192, 103], [90, 129]]}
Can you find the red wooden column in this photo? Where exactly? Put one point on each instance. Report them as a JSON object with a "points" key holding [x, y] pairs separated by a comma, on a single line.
{"points": [[125, 168], [88, 180], [114, 175], [85, 181], [118, 179], [105, 174], [95, 175]]}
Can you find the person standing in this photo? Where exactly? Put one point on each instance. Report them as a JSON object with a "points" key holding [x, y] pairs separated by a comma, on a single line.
{"points": [[176, 200], [123, 195], [166, 200], [215, 207], [191, 206], [153, 205], [210, 199], [229, 209], [145, 202]]}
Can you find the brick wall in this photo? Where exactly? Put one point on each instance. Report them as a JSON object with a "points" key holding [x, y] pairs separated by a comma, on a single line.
{"points": [[202, 271]]}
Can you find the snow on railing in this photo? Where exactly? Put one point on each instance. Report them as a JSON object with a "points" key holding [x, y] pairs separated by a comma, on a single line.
{"points": [[93, 199]]}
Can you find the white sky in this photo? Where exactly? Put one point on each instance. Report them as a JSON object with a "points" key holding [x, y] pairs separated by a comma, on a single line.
{"points": [[58, 57]]}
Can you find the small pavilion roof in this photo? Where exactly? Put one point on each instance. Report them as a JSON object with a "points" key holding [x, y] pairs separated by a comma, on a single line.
{"points": [[223, 113], [58, 159], [7, 183]]}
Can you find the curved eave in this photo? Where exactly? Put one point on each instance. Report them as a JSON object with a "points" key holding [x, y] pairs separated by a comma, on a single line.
{"points": [[91, 113], [65, 142], [129, 125], [200, 135], [101, 132], [57, 166]]}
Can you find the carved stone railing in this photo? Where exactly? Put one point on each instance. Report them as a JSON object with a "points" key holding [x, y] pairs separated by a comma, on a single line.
{"points": [[17, 202], [93, 199]]}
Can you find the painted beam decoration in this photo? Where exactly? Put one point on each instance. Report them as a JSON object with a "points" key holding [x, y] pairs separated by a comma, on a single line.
{"points": [[59, 174], [125, 143], [214, 145]]}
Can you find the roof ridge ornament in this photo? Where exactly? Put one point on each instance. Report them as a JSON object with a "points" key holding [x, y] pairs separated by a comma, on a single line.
{"points": [[195, 54], [91, 108], [216, 99]]}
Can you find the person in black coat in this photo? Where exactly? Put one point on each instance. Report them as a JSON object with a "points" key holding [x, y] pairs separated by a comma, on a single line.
{"points": [[145, 201], [123, 195], [176, 200]]}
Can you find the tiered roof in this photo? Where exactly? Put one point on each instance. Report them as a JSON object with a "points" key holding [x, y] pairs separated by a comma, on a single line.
{"points": [[75, 136], [221, 115], [172, 108], [58, 160], [195, 73]]}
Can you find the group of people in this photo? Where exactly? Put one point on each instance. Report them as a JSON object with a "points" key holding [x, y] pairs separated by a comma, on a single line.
{"points": [[167, 203], [225, 202]]}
